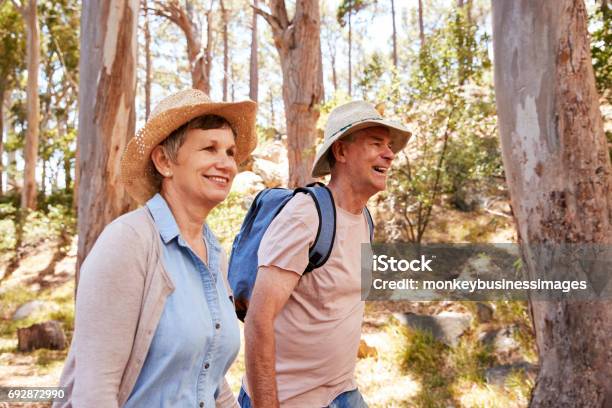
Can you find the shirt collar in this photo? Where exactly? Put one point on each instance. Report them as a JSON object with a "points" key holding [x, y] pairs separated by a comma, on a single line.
{"points": [[168, 228], [164, 220]]}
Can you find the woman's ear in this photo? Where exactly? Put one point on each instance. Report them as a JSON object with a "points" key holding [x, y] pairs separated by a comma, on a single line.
{"points": [[161, 161]]}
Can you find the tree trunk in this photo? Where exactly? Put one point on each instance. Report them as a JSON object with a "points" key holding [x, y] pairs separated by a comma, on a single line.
{"points": [[106, 117], [254, 63], [28, 192], [47, 335], [394, 34], [200, 60], [421, 25], [350, 50], [43, 184], [299, 47], [148, 62], [226, 72], [2, 94], [62, 124], [560, 179]]}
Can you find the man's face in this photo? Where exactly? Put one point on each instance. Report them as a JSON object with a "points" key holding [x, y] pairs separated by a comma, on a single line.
{"points": [[368, 158]]}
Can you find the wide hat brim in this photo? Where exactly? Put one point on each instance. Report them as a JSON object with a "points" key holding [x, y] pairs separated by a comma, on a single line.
{"points": [[399, 137], [137, 172]]}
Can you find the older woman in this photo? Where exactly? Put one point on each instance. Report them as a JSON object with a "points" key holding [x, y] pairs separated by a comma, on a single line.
{"points": [[155, 324]]}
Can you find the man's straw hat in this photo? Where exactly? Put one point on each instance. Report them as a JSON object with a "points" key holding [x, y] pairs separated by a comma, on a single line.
{"points": [[349, 118], [137, 171]]}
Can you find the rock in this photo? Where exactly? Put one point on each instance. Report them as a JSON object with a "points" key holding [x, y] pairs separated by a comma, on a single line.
{"points": [[274, 151], [446, 327], [28, 309], [366, 351], [502, 340], [47, 335], [247, 182], [484, 312], [273, 174], [499, 375]]}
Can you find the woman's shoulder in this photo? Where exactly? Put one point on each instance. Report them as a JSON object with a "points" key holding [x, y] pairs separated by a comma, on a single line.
{"points": [[134, 224]]}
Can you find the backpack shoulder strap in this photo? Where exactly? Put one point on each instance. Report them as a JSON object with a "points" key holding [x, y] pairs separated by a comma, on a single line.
{"points": [[326, 233], [370, 221]]}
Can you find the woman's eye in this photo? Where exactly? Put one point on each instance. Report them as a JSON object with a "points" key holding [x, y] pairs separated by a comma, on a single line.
{"points": [[209, 148], [231, 153]]}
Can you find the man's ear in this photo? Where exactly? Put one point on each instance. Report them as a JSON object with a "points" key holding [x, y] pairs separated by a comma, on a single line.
{"points": [[338, 149], [161, 161]]}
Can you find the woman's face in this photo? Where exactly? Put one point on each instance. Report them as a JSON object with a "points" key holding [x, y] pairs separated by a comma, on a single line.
{"points": [[205, 167]]}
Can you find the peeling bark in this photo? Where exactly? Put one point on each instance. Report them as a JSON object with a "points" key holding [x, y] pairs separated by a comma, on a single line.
{"points": [[560, 180], [106, 117], [148, 62], [2, 95], [226, 72], [29, 190], [394, 34], [299, 47], [254, 63]]}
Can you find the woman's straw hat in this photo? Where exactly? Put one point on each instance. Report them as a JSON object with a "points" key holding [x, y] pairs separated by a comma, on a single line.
{"points": [[349, 118], [137, 171]]}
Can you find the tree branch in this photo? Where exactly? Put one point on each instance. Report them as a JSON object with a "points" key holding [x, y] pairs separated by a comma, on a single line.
{"points": [[172, 11], [270, 19]]}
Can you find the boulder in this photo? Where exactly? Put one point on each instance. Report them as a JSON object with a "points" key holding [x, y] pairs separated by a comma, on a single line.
{"points": [[47, 335], [503, 340], [273, 174], [28, 309], [446, 327], [247, 182], [498, 375], [274, 151], [484, 312]]}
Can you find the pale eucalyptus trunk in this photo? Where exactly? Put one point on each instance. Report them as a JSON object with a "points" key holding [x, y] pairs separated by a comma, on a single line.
{"points": [[106, 117], [299, 47], [560, 180]]}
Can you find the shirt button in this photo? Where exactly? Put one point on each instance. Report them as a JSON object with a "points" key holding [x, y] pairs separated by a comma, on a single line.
{"points": [[218, 326], [206, 366], [201, 404]]}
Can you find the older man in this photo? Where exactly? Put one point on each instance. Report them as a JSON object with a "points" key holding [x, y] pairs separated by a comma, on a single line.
{"points": [[302, 330]]}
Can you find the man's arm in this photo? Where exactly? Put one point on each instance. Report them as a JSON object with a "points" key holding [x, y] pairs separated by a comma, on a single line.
{"points": [[270, 293]]}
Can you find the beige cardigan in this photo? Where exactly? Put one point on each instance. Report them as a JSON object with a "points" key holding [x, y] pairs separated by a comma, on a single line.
{"points": [[122, 290]]}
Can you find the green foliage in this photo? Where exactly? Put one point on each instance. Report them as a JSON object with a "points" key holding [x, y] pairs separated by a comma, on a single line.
{"points": [[12, 46], [347, 8], [226, 218], [424, 357], [448, 102], [601, 49]]}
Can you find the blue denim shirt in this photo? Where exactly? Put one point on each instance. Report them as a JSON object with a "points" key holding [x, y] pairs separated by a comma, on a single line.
{"points": [[197, 337]]}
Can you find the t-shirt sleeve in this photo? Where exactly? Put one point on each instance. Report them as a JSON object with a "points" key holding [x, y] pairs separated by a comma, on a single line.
{"points": [[286, 242]]}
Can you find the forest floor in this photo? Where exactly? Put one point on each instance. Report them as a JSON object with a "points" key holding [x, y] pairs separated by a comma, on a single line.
{"points": [[399, 367]]}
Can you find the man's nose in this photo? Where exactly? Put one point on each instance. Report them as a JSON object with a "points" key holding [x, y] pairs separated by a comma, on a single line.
{"points": [[388, 153]]}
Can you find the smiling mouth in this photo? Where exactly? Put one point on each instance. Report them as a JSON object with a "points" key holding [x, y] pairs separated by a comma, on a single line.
{"points": [[218, 179], [380, 170]]}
